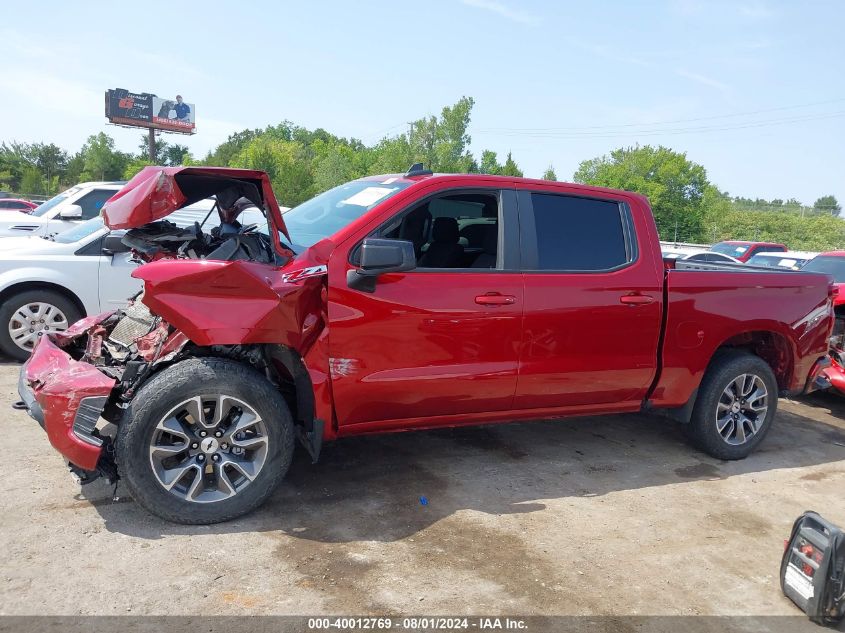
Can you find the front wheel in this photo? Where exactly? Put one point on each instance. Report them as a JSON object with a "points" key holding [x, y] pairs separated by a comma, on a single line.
{"points": [[736, 406], [204, 441]]}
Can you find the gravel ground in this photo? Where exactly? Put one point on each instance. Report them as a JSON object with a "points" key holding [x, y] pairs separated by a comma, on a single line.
{"points": [[607, 515]]}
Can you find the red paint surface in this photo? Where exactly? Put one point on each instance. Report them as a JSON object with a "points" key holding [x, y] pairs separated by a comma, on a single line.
{"points": [[422, 351], [60, 383]]}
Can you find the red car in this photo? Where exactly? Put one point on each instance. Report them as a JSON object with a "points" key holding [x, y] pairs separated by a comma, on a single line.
{"points": [[17, 204], [743, 251], [403, 302], [833, 263]]}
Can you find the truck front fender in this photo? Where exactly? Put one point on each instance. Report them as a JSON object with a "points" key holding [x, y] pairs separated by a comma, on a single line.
{"points": [[234, 302]]}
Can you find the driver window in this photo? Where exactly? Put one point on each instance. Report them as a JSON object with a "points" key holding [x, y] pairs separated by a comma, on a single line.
{"points": [[459, 230]]}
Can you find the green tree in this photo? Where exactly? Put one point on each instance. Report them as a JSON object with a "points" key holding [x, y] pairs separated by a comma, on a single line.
{"points": [[175, 155], [827, 204], [333, 169], [135, 165], [673, 184], [100, 159], [510, 167], [549, 174], [50, 159], [285, 164], [74, 169], [32, 182], [14, 159], [226, 151], [489, 163], [160, 147]]}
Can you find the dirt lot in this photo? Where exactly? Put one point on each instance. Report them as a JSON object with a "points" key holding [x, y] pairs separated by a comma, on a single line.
{"points": [[606, 515]]}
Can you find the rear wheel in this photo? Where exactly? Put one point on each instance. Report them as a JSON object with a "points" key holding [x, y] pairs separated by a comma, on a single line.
{"points": [[25, 315], [205, 441], [736, 406]]}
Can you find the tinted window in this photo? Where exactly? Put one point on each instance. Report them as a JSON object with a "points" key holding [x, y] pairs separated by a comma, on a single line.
{"points": [[578, 233], [458, 230], [91, 203], [831, 265]]}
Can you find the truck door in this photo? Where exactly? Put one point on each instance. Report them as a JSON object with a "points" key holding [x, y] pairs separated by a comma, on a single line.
{"points": [[440, 340], [593, 300]]}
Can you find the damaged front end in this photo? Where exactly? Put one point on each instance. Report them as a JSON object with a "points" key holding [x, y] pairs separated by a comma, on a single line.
{"points": [[92, 370], [232, 292]]}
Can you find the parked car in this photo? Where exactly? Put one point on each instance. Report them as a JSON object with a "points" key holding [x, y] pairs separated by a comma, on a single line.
{"points": [[833, 263], [712, 257], [61, 212], [360, 311], [743, 251], [791, 260], [17, 204], [48, 284]]}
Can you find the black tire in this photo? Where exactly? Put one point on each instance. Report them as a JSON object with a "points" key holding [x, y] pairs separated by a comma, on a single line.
{"points": [[163, 392], [17, 301], [702, 429]]}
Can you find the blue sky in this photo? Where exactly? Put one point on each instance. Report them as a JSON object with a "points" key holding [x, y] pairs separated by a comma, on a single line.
{"points": [[751, 89]]}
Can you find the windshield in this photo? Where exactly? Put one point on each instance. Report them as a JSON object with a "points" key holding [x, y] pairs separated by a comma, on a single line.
{"points": [[80, 231], [326, 214], [831, 265], [52, 202], [734, 250]]}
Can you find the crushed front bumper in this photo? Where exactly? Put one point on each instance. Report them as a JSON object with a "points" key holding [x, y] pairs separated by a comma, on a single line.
{"points": [[66, 397]]}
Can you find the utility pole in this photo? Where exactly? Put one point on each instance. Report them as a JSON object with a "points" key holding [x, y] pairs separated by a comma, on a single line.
{"points": [[152, 143]]}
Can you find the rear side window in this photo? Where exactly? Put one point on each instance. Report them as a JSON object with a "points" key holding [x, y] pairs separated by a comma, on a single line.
{"points": [[578, 234]]}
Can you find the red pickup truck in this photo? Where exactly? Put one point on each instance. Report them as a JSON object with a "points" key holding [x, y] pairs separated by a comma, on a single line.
{"points": [[402, 302]]}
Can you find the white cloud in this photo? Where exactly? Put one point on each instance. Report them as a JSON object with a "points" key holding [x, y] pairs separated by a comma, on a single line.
{"points": [[704, 80], [503, 10]]}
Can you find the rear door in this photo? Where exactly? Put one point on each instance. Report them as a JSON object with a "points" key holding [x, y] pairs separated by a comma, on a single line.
{"points": [[440, 340], [593, 298]]}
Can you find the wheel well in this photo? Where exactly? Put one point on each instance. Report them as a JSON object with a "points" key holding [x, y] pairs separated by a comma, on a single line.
{"points": [[25, 286], [294, 381], [771, 347]]}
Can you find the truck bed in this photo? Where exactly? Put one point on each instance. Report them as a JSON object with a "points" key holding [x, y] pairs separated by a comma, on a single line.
{"points": [[780, 315]]}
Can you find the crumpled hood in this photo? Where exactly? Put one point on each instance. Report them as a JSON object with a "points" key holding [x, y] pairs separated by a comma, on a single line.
{"points": [[156, 192]]}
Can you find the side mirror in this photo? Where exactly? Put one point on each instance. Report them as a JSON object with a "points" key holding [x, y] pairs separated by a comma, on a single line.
{"points": [[113, 244], [71, 212], [379, 256]]}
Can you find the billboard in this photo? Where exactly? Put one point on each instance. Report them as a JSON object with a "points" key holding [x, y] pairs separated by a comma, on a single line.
{"points": [[142, 109], [173, 114]]}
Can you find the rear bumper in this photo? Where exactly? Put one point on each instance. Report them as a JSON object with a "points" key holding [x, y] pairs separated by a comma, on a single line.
{"points": [[66, 397]]}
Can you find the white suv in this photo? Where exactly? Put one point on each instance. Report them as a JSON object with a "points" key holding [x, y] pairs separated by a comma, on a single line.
{"points": [[60, 213]]}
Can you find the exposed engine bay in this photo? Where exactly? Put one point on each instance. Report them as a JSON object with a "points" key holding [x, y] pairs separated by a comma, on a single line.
{"points": [[229, 241]]}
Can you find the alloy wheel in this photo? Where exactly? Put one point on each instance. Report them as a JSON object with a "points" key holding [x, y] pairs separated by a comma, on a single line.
{"points": [[208, 448], [742, 409]]}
